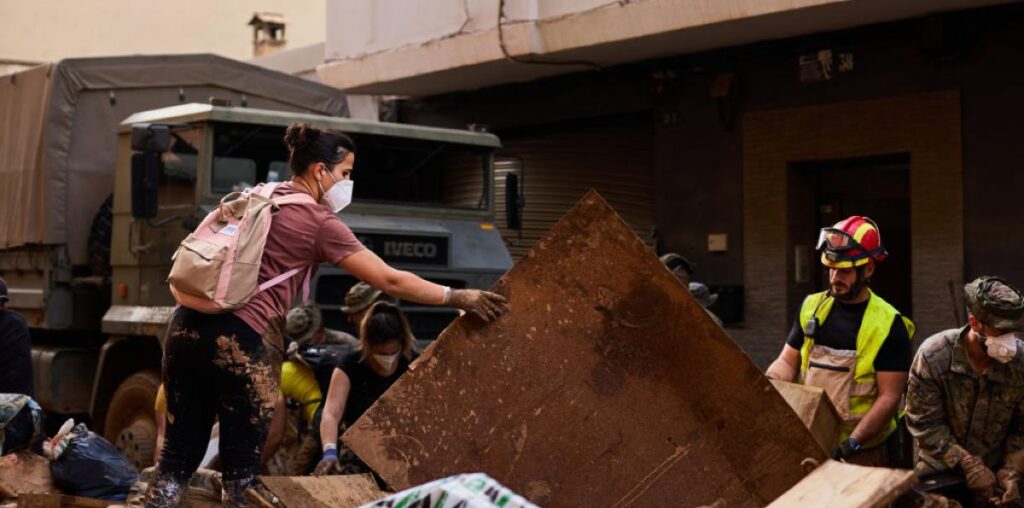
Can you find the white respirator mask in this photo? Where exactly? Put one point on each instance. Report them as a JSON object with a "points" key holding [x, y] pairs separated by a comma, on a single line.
{"points": [[340, 194], [387, 361], [1002, 348]]}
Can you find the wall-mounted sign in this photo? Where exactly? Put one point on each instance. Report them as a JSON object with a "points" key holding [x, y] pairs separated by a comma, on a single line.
{"points": [[824, 65]]}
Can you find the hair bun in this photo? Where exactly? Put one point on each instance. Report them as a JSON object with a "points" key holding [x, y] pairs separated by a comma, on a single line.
{"points": [[299, 136], [384, 307]]}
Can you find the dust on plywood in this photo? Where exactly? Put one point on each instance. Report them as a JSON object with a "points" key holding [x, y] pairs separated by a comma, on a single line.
{"points": [[606, 383]]}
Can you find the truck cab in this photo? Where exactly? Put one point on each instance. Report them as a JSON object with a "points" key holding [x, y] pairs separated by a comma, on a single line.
{"points": [[423, 202]]}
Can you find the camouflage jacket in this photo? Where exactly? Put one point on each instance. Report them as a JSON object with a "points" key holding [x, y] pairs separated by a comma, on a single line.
{"points": [[952, 409]]}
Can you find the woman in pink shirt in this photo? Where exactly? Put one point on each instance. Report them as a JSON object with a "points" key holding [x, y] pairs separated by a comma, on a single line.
{"points": [[227, 366]]}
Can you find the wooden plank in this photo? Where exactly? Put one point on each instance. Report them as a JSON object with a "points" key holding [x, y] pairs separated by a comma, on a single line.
{"points": [[841, 485], [323, 491], [61, 501], [26, 473], [606, 384], [815, 409]]}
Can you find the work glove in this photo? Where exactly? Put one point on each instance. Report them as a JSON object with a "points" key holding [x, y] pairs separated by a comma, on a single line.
{"points": [[486, 305], [846, 449], [327, 466], [980, 479], [1009, 481], [329, 463]]}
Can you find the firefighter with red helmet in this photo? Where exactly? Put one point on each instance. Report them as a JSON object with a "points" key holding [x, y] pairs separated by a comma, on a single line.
{"points": [[853, 344]]}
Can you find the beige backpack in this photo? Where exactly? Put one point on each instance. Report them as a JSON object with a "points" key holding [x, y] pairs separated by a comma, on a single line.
{"points": [[216, 268]]}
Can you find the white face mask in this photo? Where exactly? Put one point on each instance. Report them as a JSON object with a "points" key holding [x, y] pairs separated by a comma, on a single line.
{"points": [[387, 361], [1002, 348], [340, 194]]}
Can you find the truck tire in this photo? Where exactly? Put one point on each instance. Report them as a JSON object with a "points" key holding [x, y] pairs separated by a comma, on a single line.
{"points": [[100, 236], [130, 424]]}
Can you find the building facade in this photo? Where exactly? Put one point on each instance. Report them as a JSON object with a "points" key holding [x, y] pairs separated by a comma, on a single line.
{"points": [[49, 30], [731, 132]]}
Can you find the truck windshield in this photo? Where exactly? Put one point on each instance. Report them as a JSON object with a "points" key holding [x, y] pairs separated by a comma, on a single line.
{"points": [[388, 169]]}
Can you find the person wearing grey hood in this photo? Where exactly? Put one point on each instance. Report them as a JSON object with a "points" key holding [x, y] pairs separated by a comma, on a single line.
{"points": [[683, 269], [707, 299]]}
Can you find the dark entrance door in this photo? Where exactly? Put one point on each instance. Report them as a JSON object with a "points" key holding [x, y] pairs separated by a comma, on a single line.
{"points": [[825, 192]]}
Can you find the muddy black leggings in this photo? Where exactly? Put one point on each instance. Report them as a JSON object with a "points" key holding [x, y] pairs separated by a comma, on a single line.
{"points": [[216, 366]]}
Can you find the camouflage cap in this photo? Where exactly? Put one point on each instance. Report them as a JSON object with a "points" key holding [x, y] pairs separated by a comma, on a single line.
{"points": [[673, 260], [995, 302], [303, 321], [360, 297]]}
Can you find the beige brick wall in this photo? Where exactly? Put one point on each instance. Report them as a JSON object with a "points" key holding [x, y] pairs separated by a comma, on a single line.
{"points": [[926, 126]]}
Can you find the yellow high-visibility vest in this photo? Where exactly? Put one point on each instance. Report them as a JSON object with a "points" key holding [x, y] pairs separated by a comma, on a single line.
{"points": [[874, 328]]}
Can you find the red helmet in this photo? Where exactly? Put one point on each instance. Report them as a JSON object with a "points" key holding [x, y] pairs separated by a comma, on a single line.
{"points": [[852, 242]]}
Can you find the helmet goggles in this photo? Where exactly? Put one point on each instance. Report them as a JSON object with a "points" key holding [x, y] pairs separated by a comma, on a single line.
{"points": [[836, 240], [841, 249]]}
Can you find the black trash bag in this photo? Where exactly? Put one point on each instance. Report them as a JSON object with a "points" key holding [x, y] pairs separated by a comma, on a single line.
{"points": [[91, 467]]}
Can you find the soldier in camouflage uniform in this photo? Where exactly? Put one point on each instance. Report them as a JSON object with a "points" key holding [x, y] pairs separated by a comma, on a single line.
{"points": [[965, 397]]}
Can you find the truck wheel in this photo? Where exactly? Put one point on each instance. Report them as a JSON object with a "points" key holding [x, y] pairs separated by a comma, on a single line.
{"points": [[130, 424]]}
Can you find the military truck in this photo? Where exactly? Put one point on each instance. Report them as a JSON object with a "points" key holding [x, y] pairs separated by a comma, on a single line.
{"points": [[96, 206]]}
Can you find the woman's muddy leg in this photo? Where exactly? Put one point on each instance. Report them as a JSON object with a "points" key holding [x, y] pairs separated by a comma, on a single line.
{"points": [[190, 413], [249, 381]]}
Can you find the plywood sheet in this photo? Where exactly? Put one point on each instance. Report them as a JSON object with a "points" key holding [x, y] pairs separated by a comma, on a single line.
{"points": [[346, 491], [25, 473], [606, 384], [61, 501], [841, 485]]}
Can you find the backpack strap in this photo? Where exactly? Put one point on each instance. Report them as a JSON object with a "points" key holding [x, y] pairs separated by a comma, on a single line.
{"points": [[298, 197], [265, 189], [305, 283], [287, 275]]}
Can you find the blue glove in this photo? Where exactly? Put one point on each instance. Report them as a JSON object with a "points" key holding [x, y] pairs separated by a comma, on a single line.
{"points": [[846, 449]]}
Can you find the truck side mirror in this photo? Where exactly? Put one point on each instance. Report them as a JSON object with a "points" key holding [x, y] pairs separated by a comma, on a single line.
{"points": [[513, 202], [151, 140], [151, 137], [145, 184]]}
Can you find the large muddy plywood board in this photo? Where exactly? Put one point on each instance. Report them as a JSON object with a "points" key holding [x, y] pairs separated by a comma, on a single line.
{"points": [[605, 385], [346, 491], [840, 485]]}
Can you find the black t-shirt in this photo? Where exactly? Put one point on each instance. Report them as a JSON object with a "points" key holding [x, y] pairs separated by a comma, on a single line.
{"points": [[323, 360], [367, 385], [15, 355], [839, 331]]}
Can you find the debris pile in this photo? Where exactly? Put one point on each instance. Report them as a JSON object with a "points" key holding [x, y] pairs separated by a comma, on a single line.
{"points": [[607, 384]]}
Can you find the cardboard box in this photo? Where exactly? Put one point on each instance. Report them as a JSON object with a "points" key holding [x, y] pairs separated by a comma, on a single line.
{"points": [[815, 409]]}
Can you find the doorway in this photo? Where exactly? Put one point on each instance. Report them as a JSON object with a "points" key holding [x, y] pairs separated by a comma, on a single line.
{"points": [[824, 192]]}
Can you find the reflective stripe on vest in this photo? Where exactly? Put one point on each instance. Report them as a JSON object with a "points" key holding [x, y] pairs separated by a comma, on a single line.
{"points": [[874, 328]]}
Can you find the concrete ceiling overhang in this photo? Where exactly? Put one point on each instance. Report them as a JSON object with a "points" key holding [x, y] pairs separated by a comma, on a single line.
{"points": [[608, 36]]}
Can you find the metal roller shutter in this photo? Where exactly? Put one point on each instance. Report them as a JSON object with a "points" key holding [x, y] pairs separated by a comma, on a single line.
{"points": [[561, 165]]}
